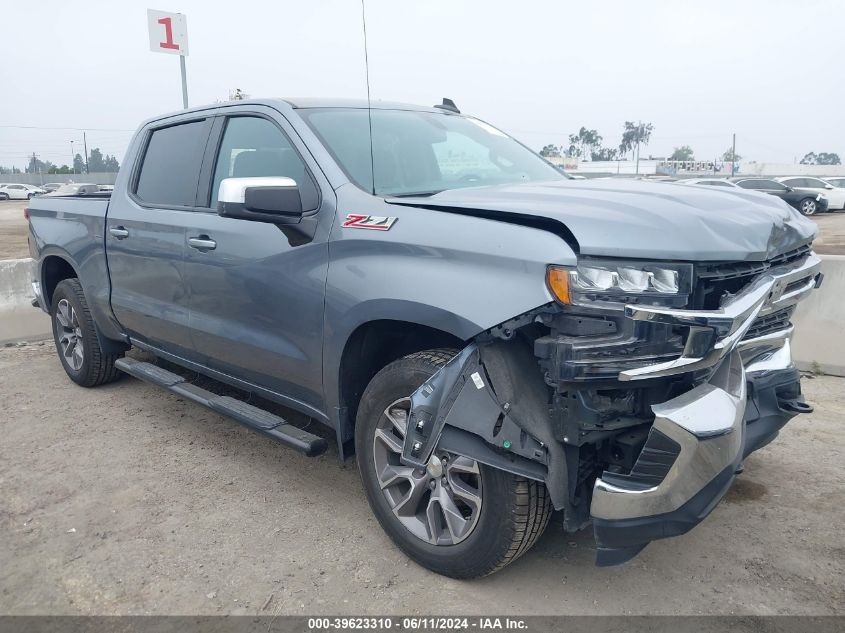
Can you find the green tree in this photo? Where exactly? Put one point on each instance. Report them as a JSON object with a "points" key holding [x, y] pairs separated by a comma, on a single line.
{"points": [[822, 158], [78, 164], [95, 161], [634, 135], [550, 151], [111, 164], [730, 156], [584, 142], [684, 152], [38, 166], [604, 153], [64, 169]]}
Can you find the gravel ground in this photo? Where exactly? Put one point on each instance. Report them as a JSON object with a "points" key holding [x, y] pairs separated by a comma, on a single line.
{"points": [[128, 500]]}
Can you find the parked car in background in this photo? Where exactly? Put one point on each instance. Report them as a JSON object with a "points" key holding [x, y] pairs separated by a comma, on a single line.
{"points": [[51, 186], [76, 189], [712, 182], [837, 181], [35, 190], [807, 203], [835, 194], [17, 191], [105, 187]]}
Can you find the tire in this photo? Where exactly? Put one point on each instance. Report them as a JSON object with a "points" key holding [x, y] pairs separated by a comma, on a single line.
{"points": [[4, 196], [513, 512], [85, 364], [29, 196], [807, 206]]}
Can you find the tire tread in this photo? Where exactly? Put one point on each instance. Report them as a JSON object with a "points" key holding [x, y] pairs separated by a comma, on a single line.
{"points": [[101, 368]]}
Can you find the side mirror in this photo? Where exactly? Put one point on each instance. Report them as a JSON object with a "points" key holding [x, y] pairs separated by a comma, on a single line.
{"points": [[267, 199], [828, 186]]}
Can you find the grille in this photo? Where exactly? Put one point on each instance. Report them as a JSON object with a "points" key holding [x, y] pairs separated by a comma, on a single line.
{"points": [[714, 281], [770, 323]]}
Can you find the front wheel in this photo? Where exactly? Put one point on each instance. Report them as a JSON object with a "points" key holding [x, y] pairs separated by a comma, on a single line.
{"points": [[808, 206], [457, 517], [4, 196]]}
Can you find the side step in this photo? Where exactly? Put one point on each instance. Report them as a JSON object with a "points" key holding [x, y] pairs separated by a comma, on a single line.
{"points": [[248, 415]]}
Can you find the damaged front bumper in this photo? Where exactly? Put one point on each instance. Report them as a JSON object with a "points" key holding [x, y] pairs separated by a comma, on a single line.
{"points": [[699, 439], [703, 388]]}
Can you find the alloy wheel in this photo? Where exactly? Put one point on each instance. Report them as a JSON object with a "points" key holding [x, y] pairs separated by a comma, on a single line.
{"points": [[70, 335], [808, 207], [440, 504]]}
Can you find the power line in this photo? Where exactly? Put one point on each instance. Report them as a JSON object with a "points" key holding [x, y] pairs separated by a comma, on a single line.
{"points": [[77, 129]]}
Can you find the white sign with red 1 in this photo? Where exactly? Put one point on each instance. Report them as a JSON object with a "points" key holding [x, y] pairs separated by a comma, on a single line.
{"points": [[168, 32]]}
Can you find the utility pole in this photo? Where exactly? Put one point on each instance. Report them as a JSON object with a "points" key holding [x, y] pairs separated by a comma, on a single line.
{"points": [[639, 132], [72, 158], [85, 145], [733, 155]]}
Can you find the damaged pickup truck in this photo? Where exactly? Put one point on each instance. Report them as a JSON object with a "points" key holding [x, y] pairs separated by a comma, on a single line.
{"points": [[490, 338]]}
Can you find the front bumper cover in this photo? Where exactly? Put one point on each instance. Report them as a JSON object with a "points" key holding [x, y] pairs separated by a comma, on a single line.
{"points": [[752, 393]]}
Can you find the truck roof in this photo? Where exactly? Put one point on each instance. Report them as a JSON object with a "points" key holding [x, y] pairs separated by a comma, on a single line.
{"points": [[322, 102], [299, 103]]}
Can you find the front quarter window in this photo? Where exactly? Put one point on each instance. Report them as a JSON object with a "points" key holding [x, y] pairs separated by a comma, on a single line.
{"points": [[421, 153]]}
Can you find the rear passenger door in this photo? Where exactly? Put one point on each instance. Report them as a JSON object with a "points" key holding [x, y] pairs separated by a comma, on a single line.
{"points": [[145, 234], [256, 309]]}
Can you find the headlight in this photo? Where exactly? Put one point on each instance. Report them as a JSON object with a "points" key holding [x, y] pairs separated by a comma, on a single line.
{"points": [[617, 282]]}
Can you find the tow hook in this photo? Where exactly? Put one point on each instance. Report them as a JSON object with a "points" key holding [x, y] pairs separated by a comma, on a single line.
{"points": [[795, 406]]}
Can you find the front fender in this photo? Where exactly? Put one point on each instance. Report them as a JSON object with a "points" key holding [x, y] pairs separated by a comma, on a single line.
{"points": [[458, 274]]}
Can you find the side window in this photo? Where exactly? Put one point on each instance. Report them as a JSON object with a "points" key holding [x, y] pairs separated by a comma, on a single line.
{"points": [[171, 167], [253, 146]]}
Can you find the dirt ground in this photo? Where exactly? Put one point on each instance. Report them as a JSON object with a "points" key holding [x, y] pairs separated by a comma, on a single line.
{"points": [[831, 240], [128, 500]]}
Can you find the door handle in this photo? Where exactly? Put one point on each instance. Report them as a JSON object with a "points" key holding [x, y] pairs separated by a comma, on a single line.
{"points": [[119, 232], [202, 243]]}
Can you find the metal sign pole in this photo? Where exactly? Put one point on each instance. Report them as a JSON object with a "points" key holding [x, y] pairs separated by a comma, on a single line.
{"points": [[184, 82], [169, 34]]}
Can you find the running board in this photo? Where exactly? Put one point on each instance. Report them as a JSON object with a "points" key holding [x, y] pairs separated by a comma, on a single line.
{"points": [[258, 419]]}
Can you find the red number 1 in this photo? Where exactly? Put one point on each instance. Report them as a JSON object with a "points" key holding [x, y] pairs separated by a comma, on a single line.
{"points": [[168, 34]]}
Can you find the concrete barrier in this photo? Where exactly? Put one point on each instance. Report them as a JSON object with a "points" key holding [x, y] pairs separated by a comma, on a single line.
{"points": [[819, 341], [818, 344], [15, 280], [18, 319]]}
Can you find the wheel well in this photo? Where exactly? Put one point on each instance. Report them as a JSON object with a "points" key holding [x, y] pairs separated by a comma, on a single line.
{"points": [[54, 270], [377, 344]]}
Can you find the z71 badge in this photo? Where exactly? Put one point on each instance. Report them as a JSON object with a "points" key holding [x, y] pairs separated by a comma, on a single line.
{"points": [[375, 222]]}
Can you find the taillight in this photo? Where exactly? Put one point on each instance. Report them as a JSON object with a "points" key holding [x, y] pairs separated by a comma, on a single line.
{"points": [[26, 213]]}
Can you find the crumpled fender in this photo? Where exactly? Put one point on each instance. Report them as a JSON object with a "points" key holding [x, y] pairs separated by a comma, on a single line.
{"points": [[489, 403]]}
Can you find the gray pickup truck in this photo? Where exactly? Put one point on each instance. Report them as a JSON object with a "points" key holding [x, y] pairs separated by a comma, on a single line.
{"points": [[491, 339]]}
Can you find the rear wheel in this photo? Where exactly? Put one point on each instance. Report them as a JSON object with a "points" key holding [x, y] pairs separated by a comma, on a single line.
{"points": [[4, 196], [457, 517], [808, 206], [75, 334]]}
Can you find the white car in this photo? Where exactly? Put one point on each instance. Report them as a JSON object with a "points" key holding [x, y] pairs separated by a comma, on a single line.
{"points": [[712, 182], [16, 191], [835, 195], [838, 181]]}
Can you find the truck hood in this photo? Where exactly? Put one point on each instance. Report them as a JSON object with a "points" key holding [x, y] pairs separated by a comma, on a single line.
{"points": [[632, 218]]}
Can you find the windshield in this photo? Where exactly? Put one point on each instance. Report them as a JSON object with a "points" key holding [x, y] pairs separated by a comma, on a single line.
{"points": [[422, 153]]}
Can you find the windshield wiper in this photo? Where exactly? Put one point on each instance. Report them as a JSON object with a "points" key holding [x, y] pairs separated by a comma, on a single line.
{"points": [[417, 194]]}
